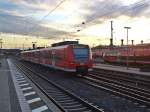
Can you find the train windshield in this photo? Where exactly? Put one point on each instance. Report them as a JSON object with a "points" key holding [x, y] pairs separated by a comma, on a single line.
{"points": [[81, 54]]}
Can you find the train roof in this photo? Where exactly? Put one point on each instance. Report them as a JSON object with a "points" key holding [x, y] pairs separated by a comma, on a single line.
{"points": [[124, 46], [64, 43], [56, 47], [43, 49]]}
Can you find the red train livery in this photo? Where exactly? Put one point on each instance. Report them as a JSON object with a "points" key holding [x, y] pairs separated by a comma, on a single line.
{"points": [[71, 58], [136, 54]]}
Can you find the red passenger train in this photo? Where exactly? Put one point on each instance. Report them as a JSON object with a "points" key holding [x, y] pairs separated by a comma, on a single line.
{"points": [[136, 54], [67, 56]]}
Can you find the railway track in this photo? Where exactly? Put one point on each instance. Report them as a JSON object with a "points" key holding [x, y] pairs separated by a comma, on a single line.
{"points": [[124, 77], [64, 99], [135, 94]]}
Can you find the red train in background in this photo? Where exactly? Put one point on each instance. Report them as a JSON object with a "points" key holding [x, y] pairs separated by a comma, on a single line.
{"points": [[67, 56], [137, 54]]}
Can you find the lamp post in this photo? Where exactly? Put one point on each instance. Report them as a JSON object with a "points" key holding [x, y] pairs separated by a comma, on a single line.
{"points": [[127, 59]]}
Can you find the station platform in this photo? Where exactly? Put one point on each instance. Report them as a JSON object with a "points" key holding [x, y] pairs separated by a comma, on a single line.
{"points": [[8, 98], [19, 94], [120, 69]]}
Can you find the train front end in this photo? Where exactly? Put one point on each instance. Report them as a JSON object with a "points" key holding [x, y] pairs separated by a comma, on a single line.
{"points": [[82, 58]]}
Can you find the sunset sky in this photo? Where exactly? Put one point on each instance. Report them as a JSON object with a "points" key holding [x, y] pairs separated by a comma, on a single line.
{"points": [[46, 21]]}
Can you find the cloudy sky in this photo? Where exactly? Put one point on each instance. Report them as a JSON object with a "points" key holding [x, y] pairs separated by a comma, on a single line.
{"points": [[55, 20]]}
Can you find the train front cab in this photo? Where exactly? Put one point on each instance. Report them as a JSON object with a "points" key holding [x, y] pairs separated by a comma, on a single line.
{"points": [[83, 59]]}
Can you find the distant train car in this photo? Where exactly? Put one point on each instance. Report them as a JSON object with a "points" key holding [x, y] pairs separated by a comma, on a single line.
{"points": [[136, 54], [75, 58], [111, 56]]}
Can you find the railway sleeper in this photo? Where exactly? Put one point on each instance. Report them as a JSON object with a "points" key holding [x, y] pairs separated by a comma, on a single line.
{"points": [[63, 101], [73, 106], [71, 103], [82, 109]]}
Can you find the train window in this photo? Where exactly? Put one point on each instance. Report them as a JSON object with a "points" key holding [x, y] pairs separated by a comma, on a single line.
{"points": [[81, 54], [58, 56], [65, 54], [50, 54], [46, 55]]}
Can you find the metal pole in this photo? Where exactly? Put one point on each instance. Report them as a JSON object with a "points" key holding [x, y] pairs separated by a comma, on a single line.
{"points": [[111, 33], [127, 50], [23, 47], [1, 44], [127, 59]]}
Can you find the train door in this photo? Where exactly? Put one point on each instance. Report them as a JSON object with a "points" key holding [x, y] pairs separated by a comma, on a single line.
{"points": [[53, 58]]}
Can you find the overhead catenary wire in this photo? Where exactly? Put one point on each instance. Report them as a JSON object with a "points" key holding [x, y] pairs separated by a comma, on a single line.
{"points": [[139, 4], [51, 11], [136, 5]]}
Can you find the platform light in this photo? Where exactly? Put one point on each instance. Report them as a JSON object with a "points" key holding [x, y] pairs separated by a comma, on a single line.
{"points": [[127, 59]]}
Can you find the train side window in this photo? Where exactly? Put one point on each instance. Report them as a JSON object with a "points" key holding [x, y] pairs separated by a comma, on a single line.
{"points": [[53, 55], [50, 54], [65, 54]]}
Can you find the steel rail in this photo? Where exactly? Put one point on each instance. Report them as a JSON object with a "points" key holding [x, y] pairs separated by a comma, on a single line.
{"points": [[127, 91], [142, 90], [79, 104], [117, 88], [132, 78]]}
